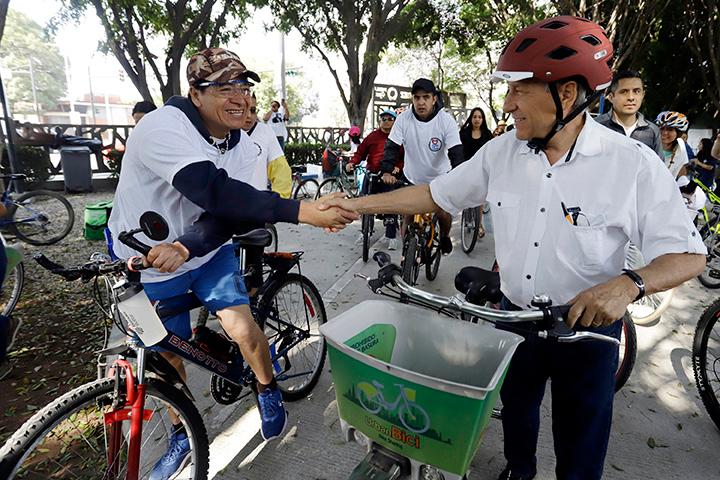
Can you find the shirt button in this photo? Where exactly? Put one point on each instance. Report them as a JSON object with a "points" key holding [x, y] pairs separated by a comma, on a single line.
{"points": [[693, 234], [542, 210], [536, 244], [528, 277], [548, 175], [499, 204]]}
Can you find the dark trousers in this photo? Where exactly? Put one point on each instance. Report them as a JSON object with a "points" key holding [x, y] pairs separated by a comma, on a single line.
{"points": [[582, 384], [390, 221]]}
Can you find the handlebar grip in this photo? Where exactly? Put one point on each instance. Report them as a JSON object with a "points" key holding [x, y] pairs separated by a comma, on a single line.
{"points": [[382, 258], [46, 263]]}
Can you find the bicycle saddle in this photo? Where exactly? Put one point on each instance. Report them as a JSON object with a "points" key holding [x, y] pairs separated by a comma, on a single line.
{"points": [[259, 237], [478, 285]]}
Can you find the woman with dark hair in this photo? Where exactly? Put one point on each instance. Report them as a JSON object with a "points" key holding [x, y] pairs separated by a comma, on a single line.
{"points": [[705, 162], [474, 133]]}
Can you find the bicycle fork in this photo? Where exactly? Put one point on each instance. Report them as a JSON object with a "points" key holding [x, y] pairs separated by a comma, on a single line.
{"points": [[133, 409]]}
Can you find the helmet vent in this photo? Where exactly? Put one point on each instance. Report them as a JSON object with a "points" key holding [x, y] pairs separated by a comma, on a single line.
{"points": [[561, 53], [554, 25], [591, 39], [525, 44]]}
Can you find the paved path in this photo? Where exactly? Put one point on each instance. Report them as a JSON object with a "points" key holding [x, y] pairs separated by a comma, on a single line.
{"points": [[659, 405]]}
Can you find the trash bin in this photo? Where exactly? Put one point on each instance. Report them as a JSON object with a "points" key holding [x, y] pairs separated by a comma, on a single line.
{"points": [[77, 173]]}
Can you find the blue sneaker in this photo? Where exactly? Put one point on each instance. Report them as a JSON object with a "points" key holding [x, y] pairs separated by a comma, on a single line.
{"points": [[174, 460], [272, 413]]}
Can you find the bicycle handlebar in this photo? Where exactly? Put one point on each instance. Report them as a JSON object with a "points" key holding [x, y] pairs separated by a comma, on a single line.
{"points": [[552, 318]]}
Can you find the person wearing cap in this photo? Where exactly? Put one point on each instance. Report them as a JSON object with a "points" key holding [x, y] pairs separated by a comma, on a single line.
{"points": [[277, 117], [559, 160], [191, 162], [432, 146], [141, 109], [371, 150]]}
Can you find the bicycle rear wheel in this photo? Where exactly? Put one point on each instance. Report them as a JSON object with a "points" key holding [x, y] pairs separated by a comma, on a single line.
{"points": [[70, 439], [42, 218], [328, 186], [273, 247], [469, 227], [291, 312], [706, 360], [306, 189], [11, 289]]}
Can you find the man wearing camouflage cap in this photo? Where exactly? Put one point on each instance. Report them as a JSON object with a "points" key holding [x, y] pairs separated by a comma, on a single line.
{"points": [[190, 159]]}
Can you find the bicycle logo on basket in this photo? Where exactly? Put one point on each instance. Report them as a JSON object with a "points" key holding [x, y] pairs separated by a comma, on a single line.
{"points": [[411, 415]]}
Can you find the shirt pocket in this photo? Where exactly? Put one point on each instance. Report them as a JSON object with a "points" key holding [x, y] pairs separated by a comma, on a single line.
{"points": [[586, 246], [505, 211]]}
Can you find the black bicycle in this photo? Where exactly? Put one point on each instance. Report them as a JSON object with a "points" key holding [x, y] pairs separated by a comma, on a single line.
{"points": [[469, 228], [706, 360], [368, 219], [118, 426], [38, 217]]}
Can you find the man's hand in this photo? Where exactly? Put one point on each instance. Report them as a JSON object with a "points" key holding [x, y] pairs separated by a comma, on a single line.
{"points": [[388, 179], [602, 304], [321, 214], [167, 257], [349, 167], [395, 171]]}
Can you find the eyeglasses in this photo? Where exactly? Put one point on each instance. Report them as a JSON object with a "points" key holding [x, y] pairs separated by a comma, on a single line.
{"points": [[226, 89], [387, 119]]}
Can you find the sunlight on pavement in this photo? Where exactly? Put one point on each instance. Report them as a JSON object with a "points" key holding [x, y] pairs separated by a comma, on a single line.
{"points": [[228, 444]]}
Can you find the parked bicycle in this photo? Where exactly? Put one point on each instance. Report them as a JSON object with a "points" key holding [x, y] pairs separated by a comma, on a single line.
{"points": [[304, 185], [449, 395], [118, 426], [709, 228], [14, 278], [706, 360], [38, 217], [351, 183]]}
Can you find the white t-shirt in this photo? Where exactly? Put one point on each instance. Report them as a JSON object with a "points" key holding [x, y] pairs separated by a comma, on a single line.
{"points": [[268, 149], [277, 123], [426, 144], [622, 191], [161, 145], [628, 130]]}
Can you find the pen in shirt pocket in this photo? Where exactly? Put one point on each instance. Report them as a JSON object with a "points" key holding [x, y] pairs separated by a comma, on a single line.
{"points": [[567, 215]]}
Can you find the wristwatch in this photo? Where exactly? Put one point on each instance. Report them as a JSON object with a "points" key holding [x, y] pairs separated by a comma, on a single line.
{"points": [[638, 281]]}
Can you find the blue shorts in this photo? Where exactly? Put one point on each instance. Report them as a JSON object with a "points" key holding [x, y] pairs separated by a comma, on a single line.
{"points": [[218, 284]]}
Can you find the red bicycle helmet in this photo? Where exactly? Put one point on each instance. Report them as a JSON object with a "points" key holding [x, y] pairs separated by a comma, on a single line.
{"points": [[558, 48]]}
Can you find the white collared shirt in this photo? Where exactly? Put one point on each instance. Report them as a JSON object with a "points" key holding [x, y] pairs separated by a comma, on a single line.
{"points": [[623, 193], [628, 130]]}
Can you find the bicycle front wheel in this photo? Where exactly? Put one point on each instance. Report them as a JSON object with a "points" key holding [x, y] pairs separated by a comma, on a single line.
{"points": [[328, 186], [706, 360], [70, 439], [11, 289], [291, 312], [469, 226], [367, 230], [409, 264], [42, 217], [306, 190], [432, 265], [627, 352], [273, 247]]}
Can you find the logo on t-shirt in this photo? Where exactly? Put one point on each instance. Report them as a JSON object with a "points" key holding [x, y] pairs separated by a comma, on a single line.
{"points": [[259, 148], [435, 144]]}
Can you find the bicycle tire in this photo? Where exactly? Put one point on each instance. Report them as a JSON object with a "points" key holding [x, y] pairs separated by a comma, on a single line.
{"points": [[329, 185], [273, 247], [20, 227], [367, 224], [317, 310], [658, 302], [304, 189], [16, 278], [29, 438], [432, 266], [629, 352], [707, 373], [409, 264], [469, 227]]}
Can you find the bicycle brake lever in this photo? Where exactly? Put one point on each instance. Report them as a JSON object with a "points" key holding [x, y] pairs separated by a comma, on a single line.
{"points": [[578, 336], [360, 275]]}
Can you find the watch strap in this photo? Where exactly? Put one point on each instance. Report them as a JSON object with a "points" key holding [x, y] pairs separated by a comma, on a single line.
{"points": [[638, 281]]}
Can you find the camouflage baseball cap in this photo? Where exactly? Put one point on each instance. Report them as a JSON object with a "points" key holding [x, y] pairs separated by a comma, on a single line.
{"points": [[217, 65]]}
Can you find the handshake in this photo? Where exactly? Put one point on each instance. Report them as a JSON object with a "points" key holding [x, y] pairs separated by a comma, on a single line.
{"points": [[331, 212]]}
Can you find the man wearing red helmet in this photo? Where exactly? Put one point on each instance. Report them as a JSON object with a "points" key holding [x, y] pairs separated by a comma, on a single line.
{"points": [[567, 195]]}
